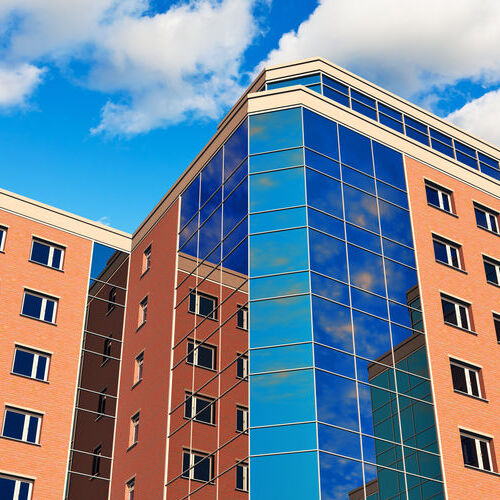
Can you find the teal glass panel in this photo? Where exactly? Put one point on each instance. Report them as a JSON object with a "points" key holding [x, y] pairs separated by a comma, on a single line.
{"points": [[276, 160], [280, 252], [279, 189], [276, 130], [339, 441], [283, 438], [390, 484], [293, 476], [280, 321], [281, 398], [422, 463], [277, 286], [280, 219], [382, 452], [281, 358], [341, 478]]}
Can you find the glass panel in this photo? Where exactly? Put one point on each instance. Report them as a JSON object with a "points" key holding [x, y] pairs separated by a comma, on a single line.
{"points": [[40, 253], [276, 286], [358, 179], [280, 252], [328, 255], [366, 270], [332, 324], [355, 150], [280, 321], [334, 361], [363, 238], [283, 438], [371, 337], [440, 137], [361, 208], [208, 209], [340, 478], [279, 159], [281, 219], [23, 363], [324, 193], [235, 207], [322, 163], [415, 124], [281, 358], [362, 98], [377, 374], [472, 162], [235, 149], [335, 84], [395, 223], [391, 194], [369, 302], [336, 96], [330, 289], [439, 146], [302, 80], [235, 179], [493, 172], [399, 252], [190, 203], [211, 177], [390, 122], [488, 160], [275, 130], [339, 441], [389, 165], [401, 281], [235, 236], [363, 109], [279, 189], [382, 452], [418, 136], [32, 305], [325, 223], [320, 134], [390, 112], [210, 237], [237, 260]]}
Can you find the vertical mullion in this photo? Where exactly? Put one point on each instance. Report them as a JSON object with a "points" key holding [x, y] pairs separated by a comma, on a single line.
{"points": [[34, 366]]}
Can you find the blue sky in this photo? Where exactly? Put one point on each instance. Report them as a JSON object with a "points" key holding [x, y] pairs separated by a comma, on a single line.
{"points": [[103, 103]]}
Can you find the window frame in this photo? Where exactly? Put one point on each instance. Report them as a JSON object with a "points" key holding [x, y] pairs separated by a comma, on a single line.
{"points": [[138, 368], [191, 470], [468, 370], [458, 303], [101, 403], [112, 298], [134, 429], [36, 358], [244, 411], [143, 311], [106, 351], [194, 399], [243, 359], [243, 466], [490, 215], [448, 244], [146, 260], [26, 424], [45, 298], [96, 460], [197, 294], [130, 488], [243, 310], [195, 353], [496, 265], [3, 238], [496, 325], [441, 191], [52, 247], [477, 440], [17, 479]]}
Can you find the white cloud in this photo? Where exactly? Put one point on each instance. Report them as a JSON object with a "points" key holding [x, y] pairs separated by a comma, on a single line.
{"points": [[17, 83], [162, 67]]}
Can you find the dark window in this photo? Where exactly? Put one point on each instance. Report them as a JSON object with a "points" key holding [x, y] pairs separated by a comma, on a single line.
{"points": [[96, 460], [201, 355], [130, 489], [139, 367], [39, 306], [197, 466], [3, 237], [202, 304], [242, 367], [496, 322], [134, 429], [241, 419], [242, 477], [447, 252], [146, 260], [199, 408], [438, 197], [465, 378], [31, 363], [106, 351], [143, 311], [101, 404], [455, 312], [112, 298], [9, 484], [242, 318], [21, 425], [476, 450], [486, 218], [492, 270], [47, 254]]}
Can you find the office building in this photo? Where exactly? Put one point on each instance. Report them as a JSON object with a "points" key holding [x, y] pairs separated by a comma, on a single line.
{"points": [[311, 312]]}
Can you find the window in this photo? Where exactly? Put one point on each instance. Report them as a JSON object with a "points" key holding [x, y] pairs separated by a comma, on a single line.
{"points": [[30, 363], [106, 351], [466, 378], [476, 450], [242, 318], [130, 488], [15, 488], [496, 322], [143, 311], [3, 237], [241, 419], [22, 425], [492, 270], [486, 218], [112, 298], [197, 466], [456, 312], [446, 252], [438, 197], [242, 367], [139, 366], [199, 408], [134, 429], [146, 260], [47, 254], [201, 355], [101, 403], [39, 306], [96, 460], [204, 305], [242, 477]]}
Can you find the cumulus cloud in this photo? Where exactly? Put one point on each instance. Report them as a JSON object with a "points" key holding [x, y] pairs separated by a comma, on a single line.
{"points": [[17, 83], [158, 68]]}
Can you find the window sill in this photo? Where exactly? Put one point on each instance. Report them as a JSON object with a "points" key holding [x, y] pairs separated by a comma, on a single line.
{"points": [[482, 470], [460, 328], [200, 422], [488, 230], [492, 283], [140, 326], [204, 317], [242, 491], [45, 265], [20, 441], [198, 480], [245, 330], [246, 378], [471, 396], [442, 210], [105, 362], [133, 445], [452, 267], [29, 378], [202, 367], [136, 384], [38, 319]]}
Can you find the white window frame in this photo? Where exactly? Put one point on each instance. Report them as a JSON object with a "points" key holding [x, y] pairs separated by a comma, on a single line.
{"points": [[496, 265], [27, 415], [470, 371], [130, 485], [134, 428], [143, 311], [45, 299], [244, 468], [449, 245], [489, 215], [244, 411], [195, 351], [146, 260], [17, 485], [194, 398], [139, 367], [192, 455], [198, 295], [3, 237], [458, 305], [244, 361], [34, 367], [441, 194], [496, 319], [52, 247], [244, 311], [477, 440]]}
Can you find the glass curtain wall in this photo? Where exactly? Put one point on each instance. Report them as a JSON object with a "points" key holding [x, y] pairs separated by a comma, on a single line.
{"points": [[340, 397]]}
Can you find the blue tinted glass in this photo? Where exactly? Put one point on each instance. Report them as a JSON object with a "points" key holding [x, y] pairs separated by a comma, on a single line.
{"points": [[280, 189], [395, 223], [375, 373], [235, 237], [418, 136], [440, 137], [210, 237], [275, 286], [363, 109], [401, 334], [235, 149], [355, 150], [280, 321], [335, 84], [400, 281], [358, 179], [207, 210], [237, 260], [332, 324], [32, 428], [235, 179], [339, 441], [366, 270], [432, 196], [49, 310], [325, 223], [399, 252], [465, 149], [40, 253], [334, 361], [23, 363], [188, 238], [362, 98], [323, 193], [330, 289], [400, 314], [279, 252], [320, 134], [488, 160], [235, 207], [492, 172], [32, 305], [293, 476], [281, 358], [392, 194], [390, 112], [440, 252], [283, 397], [7, 488], [24, 490], [443, 148], [276, 160], [328, 255], [336, 400], [389, 165], [211, 177], [190, 202], [363, 238], [472, 162], [415, 124], [390, 122], [275, 130], [40, 370], [322, 163], [336, 96], [369, 303], [303, 80], [372, 338], [56, 258], [361, 208], [280, 219], [283, 438], [342, 477], [13, 424], [315, 88]]}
